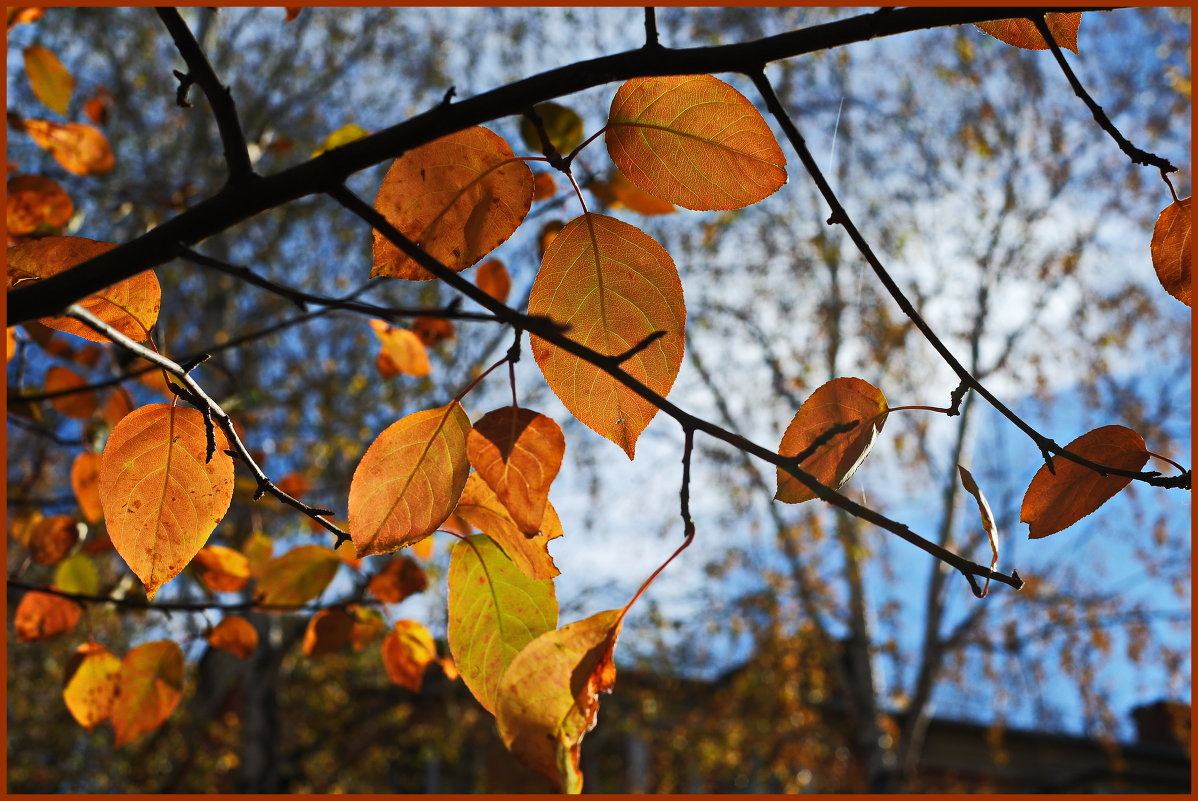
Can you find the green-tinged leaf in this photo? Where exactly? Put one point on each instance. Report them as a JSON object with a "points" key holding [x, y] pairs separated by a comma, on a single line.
{"points": [[151, 686], [562, 125], [77, 573], [51, 82], [297, 577]]}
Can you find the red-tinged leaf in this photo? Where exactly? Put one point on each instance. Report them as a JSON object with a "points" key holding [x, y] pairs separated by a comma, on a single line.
{"points": [[96, 107], [88, 356], [543, 186], [342, 136], [77, 574], [221, 569], [92, 677], [409, 480], [118, 404], [495, 610], [297, 577], [402, 352], [400, 577], [20, 15], [492, 277], [480, 507], [77, 405], [52, 538], [292, 12], [1020, 32], [37, 204], [548, 233], [328, 631], [1171, 249], [42, 615], [988, 524], [161, 498], [258, 549], [633, 198], [695, 141], [432, 330], [407, 651], [99, 542], [11, 347], [562, 125], [131, 307], [613, 285], [1056, 501], [151, 686], [85, 481], [458, 197], [51, 82], [518, 452], [297, 485], [368, 625], [235, 635], [840, 401], [78, 148], [548, 697]]}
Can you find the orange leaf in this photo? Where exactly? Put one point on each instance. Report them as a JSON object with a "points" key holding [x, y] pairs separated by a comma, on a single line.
{"points": [[548, 233], [695, 141], [118, 405], [588, 279], [480, 507], [236, 635], [151, 686], [297, 576], [635, 199], [518, 453], [78, 405], [1055, 502], [19, 15], [548, 697], [401, 351], [12, 343], [1063, 26], [131, 307], [459, 198], [42, 615], [51, 82], [543, 186], [841, 400], [346, 551], [92, 677], [398, 579], [296, 485], [492, 278], [37, 204], [161, 500], [221, 569], [258, 549], [432, 330], [407, 651], [409, 480], [1171, 249], [85, 477], [292, 12], [368, 624], [328, 631], [988, 524], [78, 148], [96, 107], [52, 538]]}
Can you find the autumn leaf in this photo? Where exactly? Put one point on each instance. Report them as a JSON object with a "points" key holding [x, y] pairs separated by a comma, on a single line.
{"points": [[695, 141], [96, 107], [368, 624], [1063, 26], [495, 610], [480, 507], [492, 277], [409, 480], [543, 186], [407, 651], [840, 401], [258, 549], [51, 538], [150, 687], [1171, 250], [292, 12], [432, 330], [401, 351], [614, 286], [85, 478], [51, 82], [235, 635], [92, 676], [547, 234], [518, 452], [342, 136], [131, 306], [37, 204], [563, 127], [988, 524], [459, 197], [42, 615], [1056, 501], [78, 148], [221, 569], [548, 696], [22, 15], [399, 578], [328, 631], [297, 485], [633, 198], [118, 404], [77, 574], [346, 551], [161, 496], [77, 405], [296, 577]]}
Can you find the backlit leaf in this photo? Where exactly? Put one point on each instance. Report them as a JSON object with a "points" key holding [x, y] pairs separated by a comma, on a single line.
{"points": [[1063, 26], [51, 82], [328, 631], [841, 400], [221, 569], [459, 197], [495, 610], [296, 577], [543, 186], [97, 106], [42, 615], [632, 197], [548, 233], [52, 538], [988, 524], [480, 507], [401, 351], [161, 499], [131, 306], [85, 481], [36, 203], [407, 651], [297, 485], [235, 635], [151, 686], [118, 404], [399, 578], [20, 15], [78, 148], [548, 697], [562, 126], [368, 625], [77, 574], [258, 549], [1171, 249], [342, 136], [614, 286], [1055, 502], [432, 330], [78, 405], [695, 141], [492, 277], [92, 677], [518, 452], [409, 480]]}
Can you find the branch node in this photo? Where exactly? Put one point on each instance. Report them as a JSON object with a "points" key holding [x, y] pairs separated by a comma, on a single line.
{"points": [[448, 98], [185, 84], [956, 398]]}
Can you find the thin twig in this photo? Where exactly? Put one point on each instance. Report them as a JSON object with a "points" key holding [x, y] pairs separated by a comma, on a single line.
{"points": [[651, 27]]}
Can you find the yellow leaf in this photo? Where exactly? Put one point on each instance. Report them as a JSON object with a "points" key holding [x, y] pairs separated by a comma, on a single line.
{"points": [[150, 687], [401, 351], [563, 127], [518, 452], [407, 651], [92, 677], [297, 576], [51, 82], [1171, 252], [342, 136]]}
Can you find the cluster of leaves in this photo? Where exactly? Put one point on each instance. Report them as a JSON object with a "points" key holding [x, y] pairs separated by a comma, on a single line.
{"points": [[165, 476]]}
